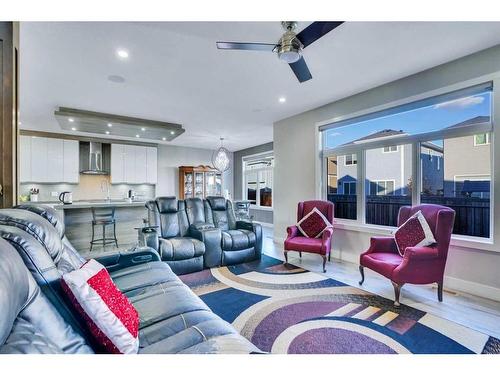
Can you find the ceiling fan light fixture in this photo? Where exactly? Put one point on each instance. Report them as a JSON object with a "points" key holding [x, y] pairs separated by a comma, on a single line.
{"points": [[289, 47]]}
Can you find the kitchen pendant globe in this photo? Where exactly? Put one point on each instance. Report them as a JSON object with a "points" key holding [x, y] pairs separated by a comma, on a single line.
{"points": [[220, 158]]}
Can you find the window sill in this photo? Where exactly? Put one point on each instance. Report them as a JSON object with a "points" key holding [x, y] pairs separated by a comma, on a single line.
{"points": [[475, 243], [261, 208]]}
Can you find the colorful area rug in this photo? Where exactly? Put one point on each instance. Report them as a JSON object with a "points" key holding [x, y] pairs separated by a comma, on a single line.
{"points": [[286, 309]]}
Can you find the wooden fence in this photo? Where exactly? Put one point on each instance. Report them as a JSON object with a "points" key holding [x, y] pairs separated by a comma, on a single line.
{"points": [[472, 214]]}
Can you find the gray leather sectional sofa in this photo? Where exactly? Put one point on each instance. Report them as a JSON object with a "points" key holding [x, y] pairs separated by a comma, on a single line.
{"points": [[36, 318], [194, 234]]}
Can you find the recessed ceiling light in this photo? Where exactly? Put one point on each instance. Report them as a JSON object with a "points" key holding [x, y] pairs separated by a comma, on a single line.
{"points": [[282, 99], [164, 139], [172, 132], [143, 129], [110, 125], [107, 132], [137, 135], [71, 119], [122, 53], [73, 129]]}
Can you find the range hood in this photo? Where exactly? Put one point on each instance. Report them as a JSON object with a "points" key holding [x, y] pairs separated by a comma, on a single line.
{"points": [[94, 158]]}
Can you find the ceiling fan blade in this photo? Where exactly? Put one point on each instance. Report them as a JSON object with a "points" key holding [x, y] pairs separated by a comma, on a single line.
{"points": [[247, 46], [316, 30], [301, 70]]}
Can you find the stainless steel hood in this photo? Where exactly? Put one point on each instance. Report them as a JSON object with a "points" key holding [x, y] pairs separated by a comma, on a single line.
{"points": [[94, 158]]}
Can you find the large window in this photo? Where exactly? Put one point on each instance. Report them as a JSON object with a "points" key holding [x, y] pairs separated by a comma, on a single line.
{"points": [[434, 151], [258, 179]]}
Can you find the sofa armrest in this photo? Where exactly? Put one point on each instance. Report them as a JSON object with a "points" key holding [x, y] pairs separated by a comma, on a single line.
{"points": [[421, 253], [117, 260], [212, 238], [257, 229]]}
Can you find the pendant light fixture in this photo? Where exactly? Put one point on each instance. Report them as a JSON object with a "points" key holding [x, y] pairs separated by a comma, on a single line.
{"points": [[220, 158]]}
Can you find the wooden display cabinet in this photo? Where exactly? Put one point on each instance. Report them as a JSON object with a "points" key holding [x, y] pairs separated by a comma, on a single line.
{"points": [[199, 182]]}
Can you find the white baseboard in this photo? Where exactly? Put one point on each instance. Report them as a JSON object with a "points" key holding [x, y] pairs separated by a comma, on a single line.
{"points": [[471, 287]]}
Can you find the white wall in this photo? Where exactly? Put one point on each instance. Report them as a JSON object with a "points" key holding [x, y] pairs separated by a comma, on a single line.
{"points": [[297, 163], [170, 158]]}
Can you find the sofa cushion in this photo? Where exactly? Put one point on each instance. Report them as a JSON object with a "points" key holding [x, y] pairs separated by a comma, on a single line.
{"points": [[413, 232], [167, 204], [179, 248], [383, 263], [237, 239], [309, 245], [111, 318], [313, 224], [217, 203]]}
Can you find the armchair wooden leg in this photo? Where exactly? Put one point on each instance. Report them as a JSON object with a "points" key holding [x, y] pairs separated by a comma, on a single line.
{"points": [[330, 256], [440, 291], [300, 254], [324, 263], [286, 257], [397, 292], [362, 272]]}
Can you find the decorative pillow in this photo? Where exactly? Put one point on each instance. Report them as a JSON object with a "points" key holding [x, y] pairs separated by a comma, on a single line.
{"points": [[413, 232], [313, 224], [111, 319]]}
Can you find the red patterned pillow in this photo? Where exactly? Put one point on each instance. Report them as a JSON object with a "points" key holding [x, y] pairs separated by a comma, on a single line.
{"points": [[313, 224], [110, 317], [414, 232]]}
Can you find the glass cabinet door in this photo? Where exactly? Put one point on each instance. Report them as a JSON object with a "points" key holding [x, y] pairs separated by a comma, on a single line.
{"points": [[198, 185], [213, 184], [188, 185]]}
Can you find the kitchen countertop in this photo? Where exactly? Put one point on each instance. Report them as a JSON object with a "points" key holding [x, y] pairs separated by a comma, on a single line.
{"points": [[92, 203]]}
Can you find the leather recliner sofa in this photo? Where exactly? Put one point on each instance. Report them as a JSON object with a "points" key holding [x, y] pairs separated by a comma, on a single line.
{"points": [[211, 221], [172, 318]]}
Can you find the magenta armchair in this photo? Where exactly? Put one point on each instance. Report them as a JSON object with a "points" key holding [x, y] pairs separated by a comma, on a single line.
{"points": [[295, 241], [419, 265]]}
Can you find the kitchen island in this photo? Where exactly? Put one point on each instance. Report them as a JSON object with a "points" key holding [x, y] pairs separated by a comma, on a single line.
{"points": [[78, 222]]}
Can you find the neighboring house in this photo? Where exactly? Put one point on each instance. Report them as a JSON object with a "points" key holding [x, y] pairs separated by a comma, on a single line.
{"points": [[388, 169], [469, 176]]}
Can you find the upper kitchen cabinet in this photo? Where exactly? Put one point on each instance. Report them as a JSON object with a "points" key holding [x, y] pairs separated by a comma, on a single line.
{"points": [[133, 164], [48, 160]]}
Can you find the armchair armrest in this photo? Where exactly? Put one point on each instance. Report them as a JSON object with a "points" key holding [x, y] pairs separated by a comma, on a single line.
{"points": [[212, 238], [117, 260], [382, 245], [292, 231], [421, 253], [257, 229], [327, 234]]}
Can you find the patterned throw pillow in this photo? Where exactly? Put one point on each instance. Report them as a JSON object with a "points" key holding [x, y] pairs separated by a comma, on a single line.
{"points": [[111, 319], [413, 232], [313, 224]]}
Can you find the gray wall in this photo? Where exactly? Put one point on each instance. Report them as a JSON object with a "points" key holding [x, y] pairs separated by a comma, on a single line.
{"points": [[296, 144], [264, 216], [170, 158]]}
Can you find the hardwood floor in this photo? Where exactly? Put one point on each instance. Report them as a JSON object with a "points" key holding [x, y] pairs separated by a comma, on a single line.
{"points": [[474, 312]]}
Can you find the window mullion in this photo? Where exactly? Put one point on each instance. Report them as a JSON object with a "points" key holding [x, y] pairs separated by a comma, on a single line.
{"points": [[361, 187], [416, 173]]}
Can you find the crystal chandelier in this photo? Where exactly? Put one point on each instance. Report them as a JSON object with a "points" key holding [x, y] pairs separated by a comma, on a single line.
{"points": [[220, 158]]}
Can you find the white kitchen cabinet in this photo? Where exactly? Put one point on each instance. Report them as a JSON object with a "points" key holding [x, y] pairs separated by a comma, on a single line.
{"points": [[25, 158], [133, 164], [71, 161], [48, 160], [55, 164], [117, 164], [152, 165], [39, 160]]}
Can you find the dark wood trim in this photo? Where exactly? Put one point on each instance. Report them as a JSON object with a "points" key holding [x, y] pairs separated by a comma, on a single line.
{"points": [[36, 133], [8, 114]]}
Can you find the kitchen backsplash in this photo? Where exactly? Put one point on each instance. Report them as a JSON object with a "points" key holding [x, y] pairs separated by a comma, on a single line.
{"points": [[90, 187]]}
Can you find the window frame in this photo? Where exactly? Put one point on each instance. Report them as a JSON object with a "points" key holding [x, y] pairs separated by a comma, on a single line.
{"points": [[344, 183], [354, 160], [258, 171], [416, 141], [390, 151], [487, 139], [385, 186]]}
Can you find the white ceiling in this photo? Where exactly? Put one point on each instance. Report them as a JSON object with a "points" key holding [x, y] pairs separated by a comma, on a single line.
{"points": [[176, 74]]}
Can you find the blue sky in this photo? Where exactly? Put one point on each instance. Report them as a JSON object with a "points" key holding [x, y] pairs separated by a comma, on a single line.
{"points": [[421, 120]]}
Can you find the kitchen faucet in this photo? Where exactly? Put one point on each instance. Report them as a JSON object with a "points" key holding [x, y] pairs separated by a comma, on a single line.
{"points": [[105, 187]]}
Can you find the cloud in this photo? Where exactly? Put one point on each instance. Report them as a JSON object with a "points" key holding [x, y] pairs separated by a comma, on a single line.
{"points": [[461, 103], [334, 134]]}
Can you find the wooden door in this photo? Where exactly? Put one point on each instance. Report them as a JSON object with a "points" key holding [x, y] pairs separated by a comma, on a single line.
{"points": [[8, 114]]}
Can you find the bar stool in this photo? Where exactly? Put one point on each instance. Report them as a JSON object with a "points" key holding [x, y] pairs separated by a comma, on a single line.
{"points": [[103, 217]]}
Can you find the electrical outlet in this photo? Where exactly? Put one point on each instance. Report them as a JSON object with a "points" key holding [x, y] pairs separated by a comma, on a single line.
{"points": [[54, 193]]}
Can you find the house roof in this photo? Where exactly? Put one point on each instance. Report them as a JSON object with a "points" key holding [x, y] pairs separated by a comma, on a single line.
{"points": [[471, 121], [379, 134]]}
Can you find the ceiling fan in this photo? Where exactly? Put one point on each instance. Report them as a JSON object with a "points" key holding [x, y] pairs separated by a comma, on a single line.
{"points": [[289, 47]]}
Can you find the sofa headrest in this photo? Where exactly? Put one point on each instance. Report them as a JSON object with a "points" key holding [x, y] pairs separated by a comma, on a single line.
{"points": [[14, 287], [55, 217], [167, 205], [217, 203], [37, 226]]}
